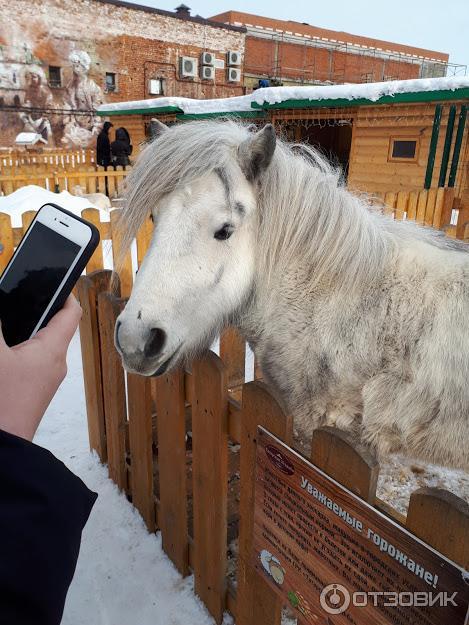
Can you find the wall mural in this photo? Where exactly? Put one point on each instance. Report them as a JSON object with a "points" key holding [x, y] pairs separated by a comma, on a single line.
{"points": [[64, 115]]}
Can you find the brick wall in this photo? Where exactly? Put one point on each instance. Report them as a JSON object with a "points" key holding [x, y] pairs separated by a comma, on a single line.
{"points": [[297, 52], [135, 44]]}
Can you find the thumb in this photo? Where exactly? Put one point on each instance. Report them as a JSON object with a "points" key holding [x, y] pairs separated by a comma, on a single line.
{"points": [[59, 331]]}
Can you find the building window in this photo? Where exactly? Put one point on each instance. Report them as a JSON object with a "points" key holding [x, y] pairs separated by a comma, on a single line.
{"points": [[403, 149], [111, 84], [156, 86], [55, 76]]}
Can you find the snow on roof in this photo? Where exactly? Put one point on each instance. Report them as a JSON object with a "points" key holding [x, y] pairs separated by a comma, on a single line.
{"points": [[274, 95]]}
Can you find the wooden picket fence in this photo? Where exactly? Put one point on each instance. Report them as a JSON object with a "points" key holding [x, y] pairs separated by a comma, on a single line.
{"points": [[438, 208], [65, 158], [182, 447], [90, 178]]}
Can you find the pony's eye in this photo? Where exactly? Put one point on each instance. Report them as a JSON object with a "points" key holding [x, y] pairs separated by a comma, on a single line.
{"points": [[224, 233]]}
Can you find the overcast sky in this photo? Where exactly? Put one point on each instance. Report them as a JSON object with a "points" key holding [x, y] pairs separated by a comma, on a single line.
{"points": [[431, 24]]}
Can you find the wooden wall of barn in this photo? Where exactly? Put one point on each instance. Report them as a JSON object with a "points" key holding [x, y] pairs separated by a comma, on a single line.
{"points": [[371, 169]]}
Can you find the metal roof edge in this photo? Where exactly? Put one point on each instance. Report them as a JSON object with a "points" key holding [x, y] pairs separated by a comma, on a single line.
{"points": [[244, 114], [140, 111]]}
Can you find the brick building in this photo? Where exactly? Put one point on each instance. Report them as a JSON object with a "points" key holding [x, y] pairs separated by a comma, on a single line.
{"points": [[60, 59], [290, 52]]}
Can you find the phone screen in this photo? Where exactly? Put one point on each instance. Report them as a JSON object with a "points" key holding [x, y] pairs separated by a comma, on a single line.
{"points": [[32, 280]]}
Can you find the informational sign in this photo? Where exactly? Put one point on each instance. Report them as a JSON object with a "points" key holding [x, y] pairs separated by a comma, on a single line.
{"points": [[334, 559]]}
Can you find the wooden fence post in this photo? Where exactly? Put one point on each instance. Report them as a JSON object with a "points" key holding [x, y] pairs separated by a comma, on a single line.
{"points": [[141, 450], [172, 469], [447, 207], [88, 289], [123, 265], [210, 482], [96, 261], [233, 355], [351, 464], [256, 603], [6, 240], [441, 519], [109, 308]]}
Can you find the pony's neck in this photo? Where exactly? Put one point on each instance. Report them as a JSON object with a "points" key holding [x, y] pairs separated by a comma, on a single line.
{"points": [[308, 222]]}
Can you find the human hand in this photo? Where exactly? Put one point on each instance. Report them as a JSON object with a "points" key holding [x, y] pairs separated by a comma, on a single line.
{"points": [[31, 372]]}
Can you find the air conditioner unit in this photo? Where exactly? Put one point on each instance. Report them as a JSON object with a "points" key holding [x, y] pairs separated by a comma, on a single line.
{"points": [[207, 72], [207, 58], [188, 67], [233, 57], [234, 74], [156, 86]]}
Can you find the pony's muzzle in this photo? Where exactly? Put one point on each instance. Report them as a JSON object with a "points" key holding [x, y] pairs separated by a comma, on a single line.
{"points": [[139, 347]]}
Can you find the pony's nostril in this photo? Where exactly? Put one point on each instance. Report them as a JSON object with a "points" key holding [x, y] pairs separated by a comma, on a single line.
{"points": [[116, 336], [155, 342]]}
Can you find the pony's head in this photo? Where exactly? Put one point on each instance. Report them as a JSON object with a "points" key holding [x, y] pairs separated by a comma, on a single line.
{"points": [[200, 182]]}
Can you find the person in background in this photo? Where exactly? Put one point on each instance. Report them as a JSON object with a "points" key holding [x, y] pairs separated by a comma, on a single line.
{"points": [[121, 148], [103, 146], [43, 506]]}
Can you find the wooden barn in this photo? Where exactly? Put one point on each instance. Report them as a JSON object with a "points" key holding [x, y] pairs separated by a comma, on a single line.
{"points": [[391, 136]]}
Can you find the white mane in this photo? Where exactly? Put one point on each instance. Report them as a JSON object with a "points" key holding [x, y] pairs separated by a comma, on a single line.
{"points": [[305, 211]]}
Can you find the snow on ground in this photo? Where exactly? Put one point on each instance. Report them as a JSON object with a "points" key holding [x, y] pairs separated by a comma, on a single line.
{"points": [[32, 197], [122, 576]]}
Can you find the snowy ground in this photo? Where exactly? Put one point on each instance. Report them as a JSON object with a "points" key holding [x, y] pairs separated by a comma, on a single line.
{"points": [[123, 576]]}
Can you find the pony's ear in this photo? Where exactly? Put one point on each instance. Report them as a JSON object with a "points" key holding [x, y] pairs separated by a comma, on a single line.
{"points": [[156, 127], [256, 152]]}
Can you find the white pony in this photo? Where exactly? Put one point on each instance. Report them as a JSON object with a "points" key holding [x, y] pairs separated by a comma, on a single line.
{"points": [[357, 321]]}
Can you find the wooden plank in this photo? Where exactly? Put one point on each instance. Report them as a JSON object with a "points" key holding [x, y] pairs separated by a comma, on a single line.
{"points": [[447, 207], [412, 205], [111, 184], [109, 307], [257, 369], [233, 355], [256, 603], [96, 261], [101, 176], [6, 240], [26, 219], [143, 240], [88, 289], [401, 205], [439, 204], [463, 219], [91, 180], [421, 206], [389, 203], [430, 209], [122, 263], [441, 519], [351, 464], [141, 451], [210, 482], [171, 426]]}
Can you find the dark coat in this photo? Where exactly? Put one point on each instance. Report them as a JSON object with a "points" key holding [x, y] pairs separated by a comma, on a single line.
{"points": [[121, 148], [103, 146], [43, 509]]}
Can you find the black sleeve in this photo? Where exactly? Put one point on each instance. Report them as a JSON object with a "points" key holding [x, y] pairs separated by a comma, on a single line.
{"points": [[43, 509]]}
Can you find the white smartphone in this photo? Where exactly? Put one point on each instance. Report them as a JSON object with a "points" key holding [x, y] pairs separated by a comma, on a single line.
{"points": [[42, 272]]}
